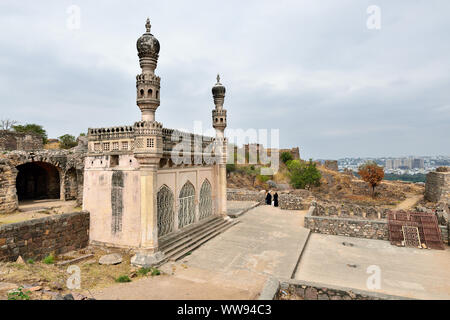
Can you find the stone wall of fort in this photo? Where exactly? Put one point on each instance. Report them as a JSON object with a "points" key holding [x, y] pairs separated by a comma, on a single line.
{"points": [[10, 141], [305, 290], [245, 195], [437, 187], [358, 228], [38, 238], [50, 174], [289, 201], [318, 220]]}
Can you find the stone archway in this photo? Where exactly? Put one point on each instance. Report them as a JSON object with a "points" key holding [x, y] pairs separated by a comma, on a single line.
{"points": [[37, 180]]}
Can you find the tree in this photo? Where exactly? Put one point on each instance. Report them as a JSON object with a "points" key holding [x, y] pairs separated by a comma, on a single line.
{"points": [[286, 156], [303, 175], [371, 173], [67, 141], [32, 128], [7, 124]]}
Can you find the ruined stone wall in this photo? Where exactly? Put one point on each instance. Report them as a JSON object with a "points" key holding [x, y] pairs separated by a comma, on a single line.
{"points": [[10, 141], [69, 164], [350, 210], [305, 290], [369, 229], [8, 195], [38, 238], [437, 187], [245, 195], [288, 201], [331, 165]]}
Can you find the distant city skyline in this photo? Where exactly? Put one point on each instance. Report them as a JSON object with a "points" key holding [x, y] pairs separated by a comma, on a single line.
{"points": [[314, 70]]}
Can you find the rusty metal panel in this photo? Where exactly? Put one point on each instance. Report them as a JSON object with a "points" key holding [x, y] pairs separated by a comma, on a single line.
{"points": [[414, 229]]}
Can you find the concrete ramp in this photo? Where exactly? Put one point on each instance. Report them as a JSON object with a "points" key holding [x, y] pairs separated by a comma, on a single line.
{"points": [[267, 242]]}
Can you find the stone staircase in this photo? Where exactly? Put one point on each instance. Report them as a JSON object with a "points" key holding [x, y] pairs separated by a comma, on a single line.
{"points": [[182, 243]]}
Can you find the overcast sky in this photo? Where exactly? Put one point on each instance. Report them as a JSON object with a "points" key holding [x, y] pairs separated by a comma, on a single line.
{"points": [[311, 69]]}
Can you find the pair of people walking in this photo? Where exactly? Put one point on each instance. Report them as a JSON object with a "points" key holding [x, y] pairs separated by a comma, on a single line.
{"points": [[272, 200]]}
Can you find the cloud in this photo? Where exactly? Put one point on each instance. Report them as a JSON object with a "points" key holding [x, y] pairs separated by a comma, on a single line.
{"points": [[311, 69]]}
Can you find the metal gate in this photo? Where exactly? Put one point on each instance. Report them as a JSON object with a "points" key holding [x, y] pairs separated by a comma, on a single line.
{"points": [[205, 206], [186, 212], [166, 215]]}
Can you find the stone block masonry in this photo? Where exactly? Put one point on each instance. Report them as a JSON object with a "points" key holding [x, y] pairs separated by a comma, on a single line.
{"points": [[304, 290], [359, 228], [38, 238], [292, 202], [245, 195], [437, 187]]}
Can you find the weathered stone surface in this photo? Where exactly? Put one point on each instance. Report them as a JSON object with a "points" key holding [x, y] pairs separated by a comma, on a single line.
{"points": [[437, 187], [67, 183], [351, 227], [311, 293], [110, 259], [302, 290], [53, 234], [6, 286]]}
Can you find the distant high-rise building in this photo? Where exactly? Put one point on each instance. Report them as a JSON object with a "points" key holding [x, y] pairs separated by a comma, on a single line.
{"points": [[404, 163]]}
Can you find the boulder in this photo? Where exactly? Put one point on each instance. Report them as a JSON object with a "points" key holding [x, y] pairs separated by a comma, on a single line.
{"points": [[272, 184], [110, 259]]}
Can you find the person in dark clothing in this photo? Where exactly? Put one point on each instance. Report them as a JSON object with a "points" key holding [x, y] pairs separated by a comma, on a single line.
{"points": [[275, 200], [268, 198]]}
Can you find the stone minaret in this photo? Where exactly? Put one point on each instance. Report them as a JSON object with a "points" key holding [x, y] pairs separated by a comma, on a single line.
{"points": [[148, 147], [219, 118], [147, 83]]}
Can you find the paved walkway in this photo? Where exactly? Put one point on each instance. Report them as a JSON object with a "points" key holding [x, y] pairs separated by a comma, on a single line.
{"points": [[409, 272], [234, 265]]}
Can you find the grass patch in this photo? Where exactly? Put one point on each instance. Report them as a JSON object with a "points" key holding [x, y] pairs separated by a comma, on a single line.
{"points": [[123, 278], [30, 261], [152, 271], [50, 259], [155, 272], [18, 294], [18, 266]]}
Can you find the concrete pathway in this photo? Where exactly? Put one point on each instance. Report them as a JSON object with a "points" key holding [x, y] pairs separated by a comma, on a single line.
{"points": [[408, 272], [234, 265]]}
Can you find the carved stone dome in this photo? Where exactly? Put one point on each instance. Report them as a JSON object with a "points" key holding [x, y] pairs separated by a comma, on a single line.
{"points": [[218, 89], [147, 44]]}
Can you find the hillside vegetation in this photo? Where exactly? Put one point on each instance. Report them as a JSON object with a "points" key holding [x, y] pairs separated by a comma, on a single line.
{"points": [[333, 185]]}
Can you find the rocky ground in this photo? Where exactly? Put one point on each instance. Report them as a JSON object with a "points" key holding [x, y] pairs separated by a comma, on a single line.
{"points": [[334, 186], [48, 281]]}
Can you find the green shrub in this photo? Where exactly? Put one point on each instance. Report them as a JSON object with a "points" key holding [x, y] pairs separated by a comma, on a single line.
{"points": [[231, 167], [30, 261], [67, 141], [303, 175], [123, 278], [18, 294], [143, 271], [286, 156], [263, 178], [155, 272], [152, 271], [50, 259]]}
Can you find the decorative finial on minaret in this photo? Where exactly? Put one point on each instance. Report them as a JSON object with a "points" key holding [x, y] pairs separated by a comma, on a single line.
{"points": [[147, 83], [219, 114], [148, 25]]}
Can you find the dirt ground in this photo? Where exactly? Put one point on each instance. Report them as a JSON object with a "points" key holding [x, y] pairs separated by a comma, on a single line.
{"points": [[51, 279], [34, 209]]}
